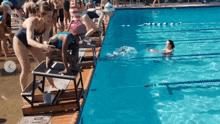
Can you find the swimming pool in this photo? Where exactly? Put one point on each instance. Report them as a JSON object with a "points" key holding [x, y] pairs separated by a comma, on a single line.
{"points": [[119, 94]]}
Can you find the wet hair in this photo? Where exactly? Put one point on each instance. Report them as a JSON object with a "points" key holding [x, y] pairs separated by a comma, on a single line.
{"points": [[171, 43]]}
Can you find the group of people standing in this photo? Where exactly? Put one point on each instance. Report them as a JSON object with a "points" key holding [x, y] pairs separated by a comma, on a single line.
{"points": [[42, 18]]}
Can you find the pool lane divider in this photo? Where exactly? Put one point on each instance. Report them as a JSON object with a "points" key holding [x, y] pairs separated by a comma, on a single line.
{"points": [[156, 57], [162, 41], [160, 31], [183, 82]]}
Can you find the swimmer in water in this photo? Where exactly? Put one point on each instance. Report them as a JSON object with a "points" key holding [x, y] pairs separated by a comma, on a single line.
{"points": [[123, 51], [167, 51]]}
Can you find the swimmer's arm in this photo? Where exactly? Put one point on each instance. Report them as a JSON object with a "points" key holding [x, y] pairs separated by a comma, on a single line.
{"points": [[31, 25], [155, 51], [100, 19], [167, 51], [64, 53]]}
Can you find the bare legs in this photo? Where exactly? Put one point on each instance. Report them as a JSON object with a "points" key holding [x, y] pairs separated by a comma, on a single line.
{"points": [[66, 18], [55, 23], [90, 25], [4, 46], [21, 52]]}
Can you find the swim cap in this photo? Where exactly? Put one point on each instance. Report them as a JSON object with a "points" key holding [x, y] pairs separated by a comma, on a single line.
{"points": [[109, 7], [7, 4]]}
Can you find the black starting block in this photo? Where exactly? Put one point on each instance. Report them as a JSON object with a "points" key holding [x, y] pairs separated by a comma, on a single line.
{"points": [[41, 71]]}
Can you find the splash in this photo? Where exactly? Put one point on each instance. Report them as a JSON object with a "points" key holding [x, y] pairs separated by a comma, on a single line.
{"points": [[124, 51], [214, 66]]}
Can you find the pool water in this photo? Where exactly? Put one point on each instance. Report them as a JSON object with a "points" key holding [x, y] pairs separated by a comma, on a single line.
{"points": [[127, 86]]}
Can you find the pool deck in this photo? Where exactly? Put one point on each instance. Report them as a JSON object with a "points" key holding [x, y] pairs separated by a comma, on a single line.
{"points": [[73, 116]]}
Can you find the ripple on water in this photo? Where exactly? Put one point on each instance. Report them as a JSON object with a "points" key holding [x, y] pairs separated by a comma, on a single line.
{"points": [[193, 109]]}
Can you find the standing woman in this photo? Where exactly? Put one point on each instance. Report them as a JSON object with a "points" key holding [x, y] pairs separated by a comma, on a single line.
{"points": [[54, 4], [3, 30], [76, 8], [24, 42], [66, 12], [60, 16]]}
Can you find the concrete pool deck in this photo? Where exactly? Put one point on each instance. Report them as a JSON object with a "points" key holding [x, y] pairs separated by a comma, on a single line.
{"points": [[12, 113]]}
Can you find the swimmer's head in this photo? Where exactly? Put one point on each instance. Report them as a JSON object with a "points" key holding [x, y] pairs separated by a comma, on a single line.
{"points": [[109, 9], [46, 13], [170, 44]]}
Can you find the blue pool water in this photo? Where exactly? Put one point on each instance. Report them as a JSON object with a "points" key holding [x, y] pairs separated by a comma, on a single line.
{"points": [[117, 94]]}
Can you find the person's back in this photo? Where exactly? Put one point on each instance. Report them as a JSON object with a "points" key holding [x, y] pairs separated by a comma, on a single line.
{"points": [[63, 41]]}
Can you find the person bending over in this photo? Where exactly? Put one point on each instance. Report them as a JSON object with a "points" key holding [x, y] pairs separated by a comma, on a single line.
{"points": [[64, 41], [90, 14], [88, 17], [24, 41], [167, 51]]}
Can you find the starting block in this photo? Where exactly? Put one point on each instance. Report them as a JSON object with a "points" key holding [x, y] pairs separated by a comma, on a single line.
{"points": [[62, 100]]}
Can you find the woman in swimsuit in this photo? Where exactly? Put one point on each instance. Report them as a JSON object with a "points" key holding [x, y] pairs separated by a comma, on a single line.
{"points": [[167, 51], [90, 14], [88, 17], [66, 12], [63, 42], [24, 42], [55, 5]]}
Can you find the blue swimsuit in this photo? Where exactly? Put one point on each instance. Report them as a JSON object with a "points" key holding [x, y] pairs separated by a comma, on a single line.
{"points": [[58, 43]]}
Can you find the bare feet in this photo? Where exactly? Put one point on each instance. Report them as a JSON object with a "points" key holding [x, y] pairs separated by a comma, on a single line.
{"points": [[53, 88], [65, 71]]}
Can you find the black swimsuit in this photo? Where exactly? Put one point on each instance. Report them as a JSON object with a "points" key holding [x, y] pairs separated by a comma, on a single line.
{"points": [[67, 5], [92, 14], [22, 36]]}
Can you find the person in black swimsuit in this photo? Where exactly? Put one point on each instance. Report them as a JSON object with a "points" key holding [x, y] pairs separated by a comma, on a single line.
{"points": [[88, 17], [90, 14], [24, 42], [66, 12]]}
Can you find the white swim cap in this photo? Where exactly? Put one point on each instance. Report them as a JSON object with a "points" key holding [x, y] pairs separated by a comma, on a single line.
{"points": [[7, 4], [109, 8]]}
